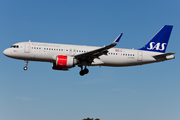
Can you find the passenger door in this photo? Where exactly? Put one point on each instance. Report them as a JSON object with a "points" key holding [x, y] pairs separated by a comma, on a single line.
{"points": [[27, 48]]}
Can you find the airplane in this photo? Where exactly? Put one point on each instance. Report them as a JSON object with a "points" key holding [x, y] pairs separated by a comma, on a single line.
{"points": [[64, 56]]}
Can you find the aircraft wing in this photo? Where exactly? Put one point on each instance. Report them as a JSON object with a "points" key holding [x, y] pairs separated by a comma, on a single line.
{"points": [[98, 52]]}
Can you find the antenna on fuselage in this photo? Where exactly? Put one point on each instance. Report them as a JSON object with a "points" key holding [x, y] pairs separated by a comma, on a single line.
{"points": [[29, 40]]}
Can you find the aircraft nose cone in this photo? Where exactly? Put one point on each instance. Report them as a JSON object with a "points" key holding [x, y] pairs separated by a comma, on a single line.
{"points": [[6, 52]]}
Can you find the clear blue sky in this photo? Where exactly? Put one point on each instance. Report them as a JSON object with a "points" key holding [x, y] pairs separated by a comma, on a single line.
{"points": [[148, 92]]}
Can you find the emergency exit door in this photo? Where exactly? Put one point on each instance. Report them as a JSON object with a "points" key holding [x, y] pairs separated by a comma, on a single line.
{"points": [[140, 56]]}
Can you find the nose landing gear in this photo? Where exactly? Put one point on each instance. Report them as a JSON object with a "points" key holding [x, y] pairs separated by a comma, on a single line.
{"points": [[25, 68]]}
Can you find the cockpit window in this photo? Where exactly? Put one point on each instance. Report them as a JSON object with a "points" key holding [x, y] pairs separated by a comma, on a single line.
{"points": [[15, 46]]}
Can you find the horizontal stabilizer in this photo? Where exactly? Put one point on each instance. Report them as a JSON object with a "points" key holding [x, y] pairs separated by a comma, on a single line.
{"points": [[163, 55], [166, 56]]}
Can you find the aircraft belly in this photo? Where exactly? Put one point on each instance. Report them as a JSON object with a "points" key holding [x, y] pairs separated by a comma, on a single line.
{"points": [[118, 61], [34, 57]]}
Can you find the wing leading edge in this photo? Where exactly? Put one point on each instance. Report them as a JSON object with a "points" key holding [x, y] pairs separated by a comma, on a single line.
{"points": [[98, 52]]}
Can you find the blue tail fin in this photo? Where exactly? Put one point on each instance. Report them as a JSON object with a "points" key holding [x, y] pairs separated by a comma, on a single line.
{"points": [[160, 41]]}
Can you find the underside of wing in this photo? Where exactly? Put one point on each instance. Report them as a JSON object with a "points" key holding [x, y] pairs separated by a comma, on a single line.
{"points": [[165, 56]]}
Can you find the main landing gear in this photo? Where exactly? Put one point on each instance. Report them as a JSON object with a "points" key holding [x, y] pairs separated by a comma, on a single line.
{"points": [[25, 68], [83, 72]]}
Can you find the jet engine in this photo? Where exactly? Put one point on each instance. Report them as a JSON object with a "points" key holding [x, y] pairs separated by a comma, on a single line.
{"points": [[64, 62]]}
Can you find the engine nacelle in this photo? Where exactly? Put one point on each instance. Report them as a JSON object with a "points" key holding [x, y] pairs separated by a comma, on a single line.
{"points": [[55, 67], [64, 62]]}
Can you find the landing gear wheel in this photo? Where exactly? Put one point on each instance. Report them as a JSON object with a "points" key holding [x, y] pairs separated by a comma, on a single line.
{"points": [[81, 72], [86, 71], [25, 68]]}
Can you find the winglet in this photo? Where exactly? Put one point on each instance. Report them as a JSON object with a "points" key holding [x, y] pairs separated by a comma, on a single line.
{"points": [[117, 39]]}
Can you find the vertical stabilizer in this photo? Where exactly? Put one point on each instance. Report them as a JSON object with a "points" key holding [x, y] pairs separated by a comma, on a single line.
{"points": [[160, 41]]}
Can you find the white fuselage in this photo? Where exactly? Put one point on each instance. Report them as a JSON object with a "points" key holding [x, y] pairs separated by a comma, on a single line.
{"points": [[116, 57], [65, 56]]}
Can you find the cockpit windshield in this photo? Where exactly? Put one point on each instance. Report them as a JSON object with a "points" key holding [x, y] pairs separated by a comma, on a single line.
{"points": [[14, 46]]}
